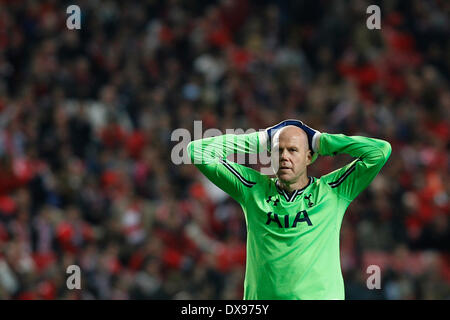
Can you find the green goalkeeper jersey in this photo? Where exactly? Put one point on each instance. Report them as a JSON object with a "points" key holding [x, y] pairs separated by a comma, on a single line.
{"points": [[292, 239]]}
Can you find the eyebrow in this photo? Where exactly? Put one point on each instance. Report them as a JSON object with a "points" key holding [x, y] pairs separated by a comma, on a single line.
{"points": [[290, 146]]}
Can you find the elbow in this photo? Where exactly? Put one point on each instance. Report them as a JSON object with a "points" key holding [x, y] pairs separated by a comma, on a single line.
{"points": [[383, 152], [189, 146], [380, 153], [387, 149], [190, 151], [196, 152]]}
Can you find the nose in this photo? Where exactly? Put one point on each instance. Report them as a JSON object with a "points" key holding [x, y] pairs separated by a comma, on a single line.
{"points": [[284, 155]]}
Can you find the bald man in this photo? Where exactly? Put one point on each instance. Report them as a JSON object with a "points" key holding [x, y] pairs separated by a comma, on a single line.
{"points": [[293, 220], [294, 157]]}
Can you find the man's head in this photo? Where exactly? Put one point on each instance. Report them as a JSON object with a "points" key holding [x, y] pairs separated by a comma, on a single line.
{"points": [[290, 144]]}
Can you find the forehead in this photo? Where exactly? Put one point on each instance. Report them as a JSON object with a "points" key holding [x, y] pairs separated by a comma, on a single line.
{"points": [[290, 141], [292, 136]]}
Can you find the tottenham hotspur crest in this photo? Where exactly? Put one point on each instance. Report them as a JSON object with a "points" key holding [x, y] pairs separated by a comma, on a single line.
{"points": [[274, 202], [310, 203]]}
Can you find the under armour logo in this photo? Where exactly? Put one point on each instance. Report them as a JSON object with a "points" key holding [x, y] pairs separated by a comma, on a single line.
{"points": [[274, 201], [310, 203]]}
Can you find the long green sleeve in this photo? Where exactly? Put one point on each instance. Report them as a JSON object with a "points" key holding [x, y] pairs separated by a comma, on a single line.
{"points": [[353, 178], [209, 155]]}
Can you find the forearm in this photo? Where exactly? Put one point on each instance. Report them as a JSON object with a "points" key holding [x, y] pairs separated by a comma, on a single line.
{"points": [[357, 146], [353, 178], [213, 149], [209, 156]]}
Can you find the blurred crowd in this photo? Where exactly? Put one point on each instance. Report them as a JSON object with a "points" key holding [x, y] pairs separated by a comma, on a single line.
{"points": [[86, 122]]}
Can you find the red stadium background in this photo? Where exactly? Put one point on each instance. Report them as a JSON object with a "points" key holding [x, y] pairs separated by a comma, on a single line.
{"points": [[86, 117]]}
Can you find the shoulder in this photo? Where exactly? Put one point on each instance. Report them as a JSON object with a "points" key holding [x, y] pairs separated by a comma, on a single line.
{"points": [[246, 173], [324, 182], [263, 180], [326, 186]]}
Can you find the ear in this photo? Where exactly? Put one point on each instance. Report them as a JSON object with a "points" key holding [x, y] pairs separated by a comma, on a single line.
{"points": [[308, 157]]}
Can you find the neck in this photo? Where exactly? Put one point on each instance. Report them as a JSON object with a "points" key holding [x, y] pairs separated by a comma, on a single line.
{"points": [[298, 184]]}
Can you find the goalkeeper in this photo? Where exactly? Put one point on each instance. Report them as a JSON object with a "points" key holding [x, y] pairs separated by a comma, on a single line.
{"points": [[293, 220]]}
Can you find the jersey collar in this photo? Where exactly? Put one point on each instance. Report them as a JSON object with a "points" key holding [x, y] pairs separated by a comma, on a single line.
{"points": [[294, 194]]}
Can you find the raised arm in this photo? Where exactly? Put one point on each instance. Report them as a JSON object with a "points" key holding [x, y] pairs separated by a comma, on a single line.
{"points": [[209, 155], [371, 154]]}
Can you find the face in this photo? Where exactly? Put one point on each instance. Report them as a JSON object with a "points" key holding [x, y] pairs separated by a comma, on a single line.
{"points": [[293, 154]]}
